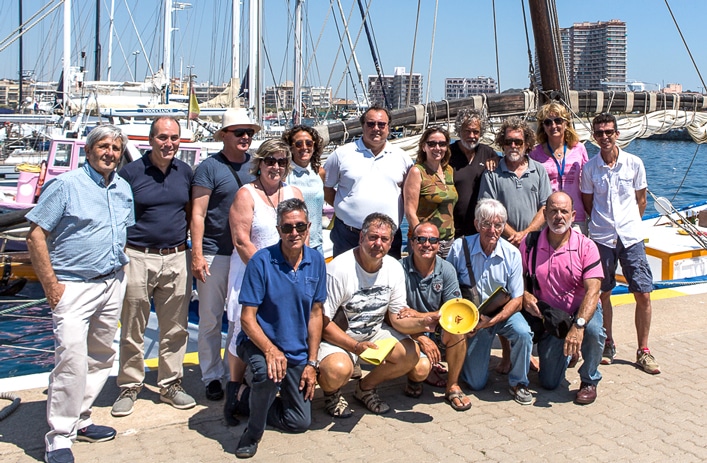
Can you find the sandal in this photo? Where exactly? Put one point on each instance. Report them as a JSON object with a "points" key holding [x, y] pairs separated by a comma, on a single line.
{"points": [[336, 405], [371, 400], [413, 389], [435, 378], [460, 396]]}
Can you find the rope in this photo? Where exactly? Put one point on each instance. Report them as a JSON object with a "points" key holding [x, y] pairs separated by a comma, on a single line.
{"points": [[685, 43], [5, 412], [495, 39], [531, 68], [24, 306], [694, 156], [432, 47], [412, 58]]}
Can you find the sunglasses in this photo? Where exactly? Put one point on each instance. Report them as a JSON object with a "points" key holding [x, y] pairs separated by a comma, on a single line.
{"points": [[241, 132], [514, 141], [301, 143], [271, 161], [557, 121], [425, 239], [601, 133], [432, 144], [380, 124], [287, 228]]}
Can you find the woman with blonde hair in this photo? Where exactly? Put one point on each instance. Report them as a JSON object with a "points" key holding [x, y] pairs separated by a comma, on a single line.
{"points": [[561, 153]]}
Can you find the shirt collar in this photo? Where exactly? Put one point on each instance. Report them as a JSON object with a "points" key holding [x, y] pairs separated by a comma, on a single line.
{"points": [[360, 146], [96, 177], [148, 162], [411, 266], [300, 171], [278, 258], [477, 249]]}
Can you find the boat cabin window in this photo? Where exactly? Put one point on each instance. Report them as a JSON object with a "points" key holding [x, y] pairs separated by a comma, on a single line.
{"points": [[62, 155], [82, 155]]}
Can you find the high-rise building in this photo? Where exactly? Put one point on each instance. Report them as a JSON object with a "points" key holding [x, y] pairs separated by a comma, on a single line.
{"points": [[595, 55], [396, 88], [464, 87]]}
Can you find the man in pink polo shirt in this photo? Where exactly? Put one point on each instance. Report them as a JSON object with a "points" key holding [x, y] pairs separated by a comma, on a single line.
{"points": [[568, 275]]}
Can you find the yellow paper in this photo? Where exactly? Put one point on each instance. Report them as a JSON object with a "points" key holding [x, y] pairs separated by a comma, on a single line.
{"points": [[376, 356]]}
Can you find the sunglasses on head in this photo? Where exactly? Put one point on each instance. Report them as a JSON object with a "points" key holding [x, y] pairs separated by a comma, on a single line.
{"points": [[432, 144], [241, 132], [513, 141], [557, 121], [425, 239], [373, 124], [271, 161], [601, 133], [301, 143], [287, 228]]}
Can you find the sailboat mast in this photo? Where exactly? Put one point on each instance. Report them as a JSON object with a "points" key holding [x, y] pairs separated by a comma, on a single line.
{"points": [[297, 109], [97, 64], [19, 97], [67, 55], [544, 18], [254, 75], [167, 45], [110, 37]]}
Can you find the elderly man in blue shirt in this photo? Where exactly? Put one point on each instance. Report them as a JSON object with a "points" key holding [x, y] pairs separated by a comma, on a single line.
{"points": [[494, 263], [76, 240], [283, 292]]}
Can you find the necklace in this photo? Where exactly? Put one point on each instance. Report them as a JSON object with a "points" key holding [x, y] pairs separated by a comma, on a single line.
{"points": [[267, 196]]}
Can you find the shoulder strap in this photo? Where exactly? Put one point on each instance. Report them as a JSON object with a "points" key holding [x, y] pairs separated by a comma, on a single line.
{"points": [[531, 241], [233, 171], [467, 255]]}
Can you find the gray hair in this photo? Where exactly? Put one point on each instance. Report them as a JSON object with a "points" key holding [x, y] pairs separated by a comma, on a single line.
{"points": [[162, 118], [291, 205], [105, 131], [270, 148], [516, 123], [487, 209], [466, 116], [378, 219]]}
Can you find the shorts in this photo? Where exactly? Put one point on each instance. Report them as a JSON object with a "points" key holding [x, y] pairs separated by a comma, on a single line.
{"points": [[634, 265], [385, 331]]}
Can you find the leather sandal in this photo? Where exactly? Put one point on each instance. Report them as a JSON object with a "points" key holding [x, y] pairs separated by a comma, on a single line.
{"points": [[371, 400]]}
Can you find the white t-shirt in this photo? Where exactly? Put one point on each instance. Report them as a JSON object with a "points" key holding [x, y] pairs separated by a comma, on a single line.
{"points": [[366, 183], [365, 297]]}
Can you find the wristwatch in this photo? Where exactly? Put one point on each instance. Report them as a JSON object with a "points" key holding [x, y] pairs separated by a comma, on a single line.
{"points": [[580, 322], [314, 364]]}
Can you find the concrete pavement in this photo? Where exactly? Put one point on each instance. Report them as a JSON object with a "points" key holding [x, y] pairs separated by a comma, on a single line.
{"points": [[637, 417]]}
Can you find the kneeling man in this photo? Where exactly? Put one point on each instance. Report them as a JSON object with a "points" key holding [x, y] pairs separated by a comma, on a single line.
{"points": [[568, 275], [365, 285], [494, 263], [282, 295]]}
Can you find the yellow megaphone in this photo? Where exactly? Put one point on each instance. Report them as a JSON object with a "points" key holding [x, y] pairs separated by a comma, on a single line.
{"points": [[458, 316]]}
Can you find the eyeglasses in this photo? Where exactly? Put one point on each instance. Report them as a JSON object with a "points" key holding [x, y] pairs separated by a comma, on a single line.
{"points": [[432, 144], [301, 143], [287, 228], [496, 226], [271, 161], [513, 141], [557, 121], [380, 124], [601, 133], [164, 138], [424, 239], [241, 132]]}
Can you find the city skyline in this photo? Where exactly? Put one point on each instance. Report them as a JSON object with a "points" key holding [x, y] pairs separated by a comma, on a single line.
{"points": [[463, 45]]}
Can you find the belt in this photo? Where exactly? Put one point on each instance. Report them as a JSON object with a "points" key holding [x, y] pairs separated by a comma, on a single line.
{"points": [[105, 276], [348, 227], [161, 252]]}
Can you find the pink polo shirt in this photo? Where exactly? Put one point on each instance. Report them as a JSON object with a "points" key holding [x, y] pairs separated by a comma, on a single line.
{"points": [[561, 272]]}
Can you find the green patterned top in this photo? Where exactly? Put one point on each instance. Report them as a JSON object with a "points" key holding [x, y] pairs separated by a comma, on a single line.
{"points": [[437, 200]]}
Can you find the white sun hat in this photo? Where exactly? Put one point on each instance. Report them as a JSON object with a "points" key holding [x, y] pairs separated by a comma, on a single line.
{"points": [[235, 117]]}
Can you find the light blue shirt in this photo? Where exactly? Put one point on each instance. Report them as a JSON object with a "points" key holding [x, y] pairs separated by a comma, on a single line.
{"points": [[312, 188], [504, 267], [87, 222]]}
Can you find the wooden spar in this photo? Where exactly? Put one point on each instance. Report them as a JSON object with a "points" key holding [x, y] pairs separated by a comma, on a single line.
{"points": [[548, 59], [584, 103]]}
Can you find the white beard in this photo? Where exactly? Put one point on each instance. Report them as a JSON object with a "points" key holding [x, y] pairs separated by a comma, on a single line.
{"points": [[559, 229], [469, 146]]}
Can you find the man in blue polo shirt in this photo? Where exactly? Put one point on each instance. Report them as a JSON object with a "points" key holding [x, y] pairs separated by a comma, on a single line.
{"points": [[76, 240], [158, 269], [283, 292]]}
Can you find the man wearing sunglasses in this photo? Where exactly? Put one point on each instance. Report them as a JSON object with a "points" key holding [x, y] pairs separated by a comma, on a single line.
{"points": [[216, 181], [363, 177], [613, 190], [283, 292], [431, 281]]}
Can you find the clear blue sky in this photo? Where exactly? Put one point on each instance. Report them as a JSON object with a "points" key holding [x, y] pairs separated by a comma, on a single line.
{"points": [[463, 43]]}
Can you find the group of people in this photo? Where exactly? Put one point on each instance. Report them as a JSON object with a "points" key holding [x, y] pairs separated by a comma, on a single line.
{"points": [[106, 243]]}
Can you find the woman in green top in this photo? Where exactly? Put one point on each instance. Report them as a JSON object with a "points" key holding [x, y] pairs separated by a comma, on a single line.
{"points": [[429, 187]]}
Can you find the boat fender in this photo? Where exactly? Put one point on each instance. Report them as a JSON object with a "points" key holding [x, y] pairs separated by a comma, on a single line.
{"points": [[7, 411]]}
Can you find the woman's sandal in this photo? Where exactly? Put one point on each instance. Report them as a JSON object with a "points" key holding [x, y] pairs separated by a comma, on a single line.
{"points": [[460, 396], [371, 400], [413, 389]]}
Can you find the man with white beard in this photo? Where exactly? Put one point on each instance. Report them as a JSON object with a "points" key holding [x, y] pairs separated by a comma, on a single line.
{"points": [[565, 273], [469, 160]]}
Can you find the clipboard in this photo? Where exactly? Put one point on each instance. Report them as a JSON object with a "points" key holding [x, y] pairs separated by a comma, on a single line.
{"points": [[495, 302]]}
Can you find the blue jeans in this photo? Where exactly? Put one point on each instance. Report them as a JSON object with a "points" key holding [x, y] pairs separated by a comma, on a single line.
{"points": [[289, 412], [553, 362], [475, 371]]}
